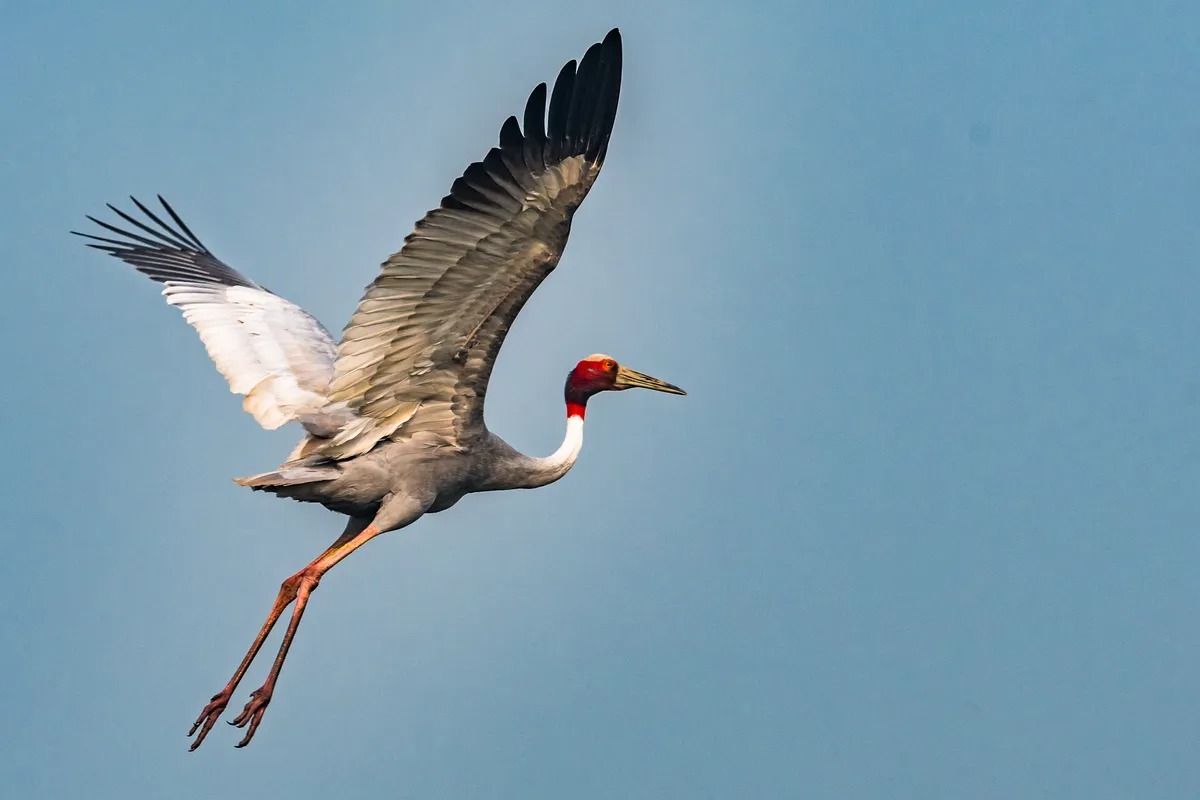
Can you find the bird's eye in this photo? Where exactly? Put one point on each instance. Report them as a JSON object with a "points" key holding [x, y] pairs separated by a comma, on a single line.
{"points": [[610, 365]]}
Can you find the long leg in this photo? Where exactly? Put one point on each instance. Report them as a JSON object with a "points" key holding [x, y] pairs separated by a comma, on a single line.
{"points": [[288, 592], [310, 576]]}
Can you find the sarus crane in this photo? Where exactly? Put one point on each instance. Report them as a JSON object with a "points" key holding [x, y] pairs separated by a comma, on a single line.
{"points": [[393, 415]]}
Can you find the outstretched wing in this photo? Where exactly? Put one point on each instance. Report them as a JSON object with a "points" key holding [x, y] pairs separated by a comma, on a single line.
{"points": [[418, 352], [270, 350]]}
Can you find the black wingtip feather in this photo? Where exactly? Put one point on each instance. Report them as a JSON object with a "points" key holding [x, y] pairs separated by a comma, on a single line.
{"points": [[586, 89], [186, 240], [166, 236], [583, 104], [182, 225], [608, 98], [535, 129], [560, 107], [173, 253], [510, 134], [577, 121]]}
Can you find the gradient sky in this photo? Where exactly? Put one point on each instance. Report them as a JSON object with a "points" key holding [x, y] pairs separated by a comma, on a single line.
{"points": [[925, 526]]}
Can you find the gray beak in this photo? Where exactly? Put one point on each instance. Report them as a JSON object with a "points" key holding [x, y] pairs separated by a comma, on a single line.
{"points": [[628, 379]]}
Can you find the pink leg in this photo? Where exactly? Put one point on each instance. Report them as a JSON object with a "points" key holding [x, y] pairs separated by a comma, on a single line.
{"points": [[260, 697], [296, 588]]}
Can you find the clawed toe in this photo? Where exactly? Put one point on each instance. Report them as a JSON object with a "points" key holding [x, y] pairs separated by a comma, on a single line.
{"points": [[208, 717], [252, 714]]}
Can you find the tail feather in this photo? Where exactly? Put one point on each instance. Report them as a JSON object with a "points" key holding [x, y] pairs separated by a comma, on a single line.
{"points": [[290, 476]]}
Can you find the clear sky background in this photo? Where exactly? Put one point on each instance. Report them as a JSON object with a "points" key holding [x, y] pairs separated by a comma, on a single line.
{"points": [[925, 526]]}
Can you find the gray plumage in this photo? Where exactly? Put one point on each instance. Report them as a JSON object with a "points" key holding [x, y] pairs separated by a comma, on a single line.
{"points": [[393, 415], [396, 409]]}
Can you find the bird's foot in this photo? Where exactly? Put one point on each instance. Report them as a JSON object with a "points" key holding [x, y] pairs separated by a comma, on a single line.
{"points": [[209, 716], [252, 714]]}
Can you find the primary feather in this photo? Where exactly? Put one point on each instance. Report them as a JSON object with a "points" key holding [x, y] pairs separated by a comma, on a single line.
{"points": [[418, 352], [394, 414], [269, 349]]}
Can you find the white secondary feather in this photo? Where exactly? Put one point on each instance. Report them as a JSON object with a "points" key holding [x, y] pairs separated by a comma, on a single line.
{"points": [[269, 349]]}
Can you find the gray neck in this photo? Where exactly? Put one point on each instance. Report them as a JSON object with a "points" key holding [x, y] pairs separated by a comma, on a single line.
{"points": [[522, 472]]}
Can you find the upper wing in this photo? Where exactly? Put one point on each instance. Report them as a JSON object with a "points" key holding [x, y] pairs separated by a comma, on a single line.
{"points": [[418, 352], [270, 350]]}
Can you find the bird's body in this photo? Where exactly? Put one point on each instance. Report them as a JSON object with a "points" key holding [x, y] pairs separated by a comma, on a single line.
{"points": [[413, 467], [393, 414]]}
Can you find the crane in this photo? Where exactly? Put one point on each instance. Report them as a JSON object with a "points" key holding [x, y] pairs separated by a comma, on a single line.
{"points": [[393, 414]]}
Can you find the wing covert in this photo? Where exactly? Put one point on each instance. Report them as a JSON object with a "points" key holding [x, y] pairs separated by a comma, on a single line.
{"points": [[417, 354], [269, 349]]}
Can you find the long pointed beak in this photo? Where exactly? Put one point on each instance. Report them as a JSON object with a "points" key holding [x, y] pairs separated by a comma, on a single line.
{"points": [[628, 379]]}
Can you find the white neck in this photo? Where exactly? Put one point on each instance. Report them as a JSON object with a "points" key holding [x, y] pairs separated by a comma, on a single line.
{"points": [[551, 468]]}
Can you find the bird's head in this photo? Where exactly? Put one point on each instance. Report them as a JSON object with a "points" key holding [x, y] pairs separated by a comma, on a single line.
{"points": [[601, 373]]}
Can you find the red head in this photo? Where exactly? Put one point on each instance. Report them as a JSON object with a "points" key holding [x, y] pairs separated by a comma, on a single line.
{"points": [[600, 373]]}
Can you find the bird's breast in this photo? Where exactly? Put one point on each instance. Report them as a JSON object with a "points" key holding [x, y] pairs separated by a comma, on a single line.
{"points": [[444, 501]]}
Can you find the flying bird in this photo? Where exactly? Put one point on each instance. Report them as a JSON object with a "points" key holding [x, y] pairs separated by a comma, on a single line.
{"points": [[393, 414]]}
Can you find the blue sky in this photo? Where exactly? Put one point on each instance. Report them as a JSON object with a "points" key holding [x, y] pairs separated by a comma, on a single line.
{"points": [[925, 525]]}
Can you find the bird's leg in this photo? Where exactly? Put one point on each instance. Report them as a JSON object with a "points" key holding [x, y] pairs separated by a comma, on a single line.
{"points": [[288, 592], [307, 580], [212, 712]]}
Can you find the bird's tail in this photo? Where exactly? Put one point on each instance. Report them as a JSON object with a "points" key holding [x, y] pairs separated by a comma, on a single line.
{"points": [[290, 475]]}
